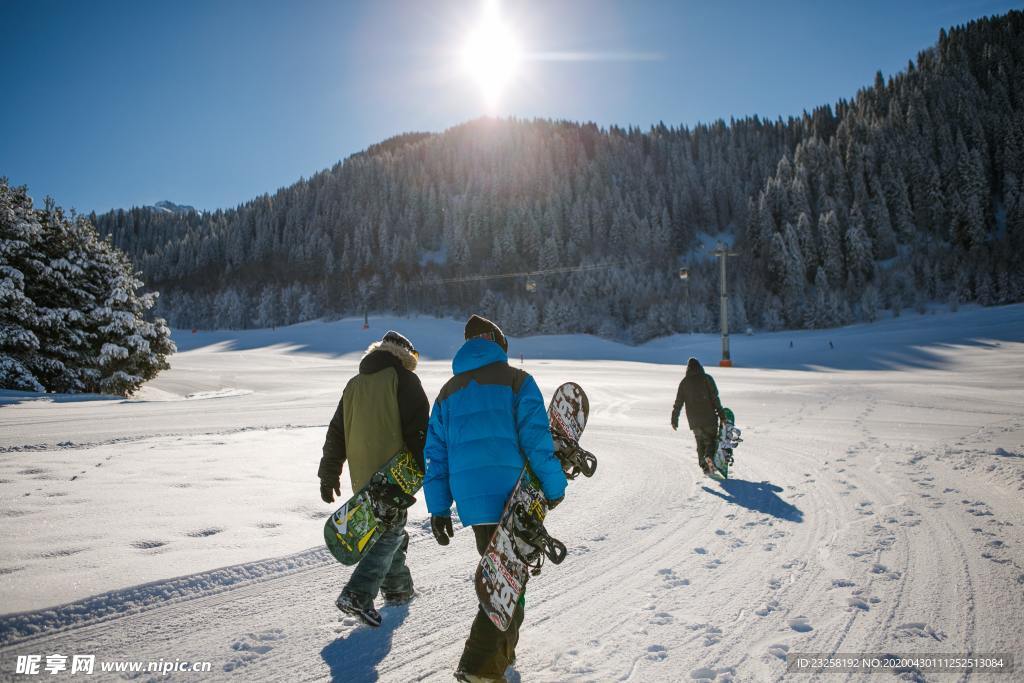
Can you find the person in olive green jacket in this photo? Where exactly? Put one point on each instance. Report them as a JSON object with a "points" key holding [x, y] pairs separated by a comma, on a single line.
{"points": [[382, 409]]}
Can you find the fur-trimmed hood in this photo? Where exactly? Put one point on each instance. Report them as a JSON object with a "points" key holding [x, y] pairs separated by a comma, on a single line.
{"points": [[404, 356]]}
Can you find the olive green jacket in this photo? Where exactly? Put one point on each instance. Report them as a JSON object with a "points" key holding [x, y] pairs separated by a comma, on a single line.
{"points": [[382, 410]]}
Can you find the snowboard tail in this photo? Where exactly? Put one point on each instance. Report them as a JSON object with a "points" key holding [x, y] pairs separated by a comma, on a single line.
{"points": [[353, 529], [728, 439]]}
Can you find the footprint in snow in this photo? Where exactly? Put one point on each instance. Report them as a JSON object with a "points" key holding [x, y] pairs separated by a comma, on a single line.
{"points": [[842, 583], [656, 653], [251, 647], [857, 603], [713, 564], [662, 619], [700, 551], [779, 650], [998, 560], [800, 624], [882, 570], [918, 629], [706, 674], [769, 607], [60, 552], [148, 545], [203, 533], [572, 664], [775, 583], [671, 579], [712, 635]]}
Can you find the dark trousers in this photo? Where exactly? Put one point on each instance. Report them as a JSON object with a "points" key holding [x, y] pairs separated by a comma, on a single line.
{"points": [[707, 443], [383, 568], [489, 651]]}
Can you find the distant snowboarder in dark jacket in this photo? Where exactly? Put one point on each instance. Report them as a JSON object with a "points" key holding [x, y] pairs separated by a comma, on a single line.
{"points": [[488, 421], [698, 393], [382, 409]]}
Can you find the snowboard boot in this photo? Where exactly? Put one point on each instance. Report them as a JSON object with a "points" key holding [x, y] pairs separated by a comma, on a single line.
{"points": [[400, 598], [350, 604], [473, 678]]}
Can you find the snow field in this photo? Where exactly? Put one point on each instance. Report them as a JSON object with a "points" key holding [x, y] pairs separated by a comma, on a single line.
{"points": [[874, 510]]}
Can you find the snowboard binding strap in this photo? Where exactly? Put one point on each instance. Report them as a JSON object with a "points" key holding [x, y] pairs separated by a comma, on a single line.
{"points": [[575, 460], [531, 532], [388, 499]]}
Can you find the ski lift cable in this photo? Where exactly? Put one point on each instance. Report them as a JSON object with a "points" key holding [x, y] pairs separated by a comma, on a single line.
{"points": [[527, 273]]}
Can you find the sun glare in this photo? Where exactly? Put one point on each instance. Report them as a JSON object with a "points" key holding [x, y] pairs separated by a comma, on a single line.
{"points": [[491, 55]]}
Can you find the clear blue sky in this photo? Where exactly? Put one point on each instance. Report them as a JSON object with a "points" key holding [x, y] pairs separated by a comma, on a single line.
{"points": [[211, 102]]}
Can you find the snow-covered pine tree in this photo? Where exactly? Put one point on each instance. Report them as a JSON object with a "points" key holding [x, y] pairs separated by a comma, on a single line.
{"points": [[132, 349], [77, 295], [19, 234], [831, 248], [869, 303]]}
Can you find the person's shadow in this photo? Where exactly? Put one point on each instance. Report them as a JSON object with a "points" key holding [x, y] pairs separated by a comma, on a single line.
{"points": [[355, 657], [760, 497]]}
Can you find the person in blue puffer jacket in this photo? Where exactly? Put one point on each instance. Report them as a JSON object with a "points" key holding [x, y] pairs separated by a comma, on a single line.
{"points": [[488, 421]]}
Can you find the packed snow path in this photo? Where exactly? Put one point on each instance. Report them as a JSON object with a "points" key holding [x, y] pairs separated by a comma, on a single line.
{"points": [[875, 511]]}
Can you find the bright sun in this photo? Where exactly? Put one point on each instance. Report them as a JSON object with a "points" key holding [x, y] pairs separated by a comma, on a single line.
{"points": [[491, 55]]}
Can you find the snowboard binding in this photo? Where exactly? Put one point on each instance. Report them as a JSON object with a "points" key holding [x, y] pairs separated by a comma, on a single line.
{"points": [[575, 460], [388, 499], [530, 532]]}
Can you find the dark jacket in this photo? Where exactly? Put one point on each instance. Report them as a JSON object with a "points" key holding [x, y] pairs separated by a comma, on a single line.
{"points": [[699, 394], [382, 409], [488, 421]]}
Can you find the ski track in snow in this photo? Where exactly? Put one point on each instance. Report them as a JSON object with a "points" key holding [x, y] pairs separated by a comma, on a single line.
{"points": [[870, 511]]}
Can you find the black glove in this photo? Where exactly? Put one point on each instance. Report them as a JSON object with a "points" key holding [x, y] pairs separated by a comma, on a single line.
{"points": [[552, 504], [441, 525], [328, 489]]}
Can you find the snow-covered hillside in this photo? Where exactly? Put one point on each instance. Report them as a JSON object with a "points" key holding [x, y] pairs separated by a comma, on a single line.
{"points": [[876, 506]]}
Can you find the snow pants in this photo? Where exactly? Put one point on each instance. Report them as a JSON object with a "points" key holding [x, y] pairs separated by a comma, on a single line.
{"points": [[383, 567], [707, 443], [489, 651]]}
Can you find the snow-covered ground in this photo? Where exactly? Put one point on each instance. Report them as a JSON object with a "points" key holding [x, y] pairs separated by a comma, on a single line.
{"points": [[877, 505]]}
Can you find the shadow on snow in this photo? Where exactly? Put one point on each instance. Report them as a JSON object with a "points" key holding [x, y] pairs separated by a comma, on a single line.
{"points": [[355, 656], [759, 497]]}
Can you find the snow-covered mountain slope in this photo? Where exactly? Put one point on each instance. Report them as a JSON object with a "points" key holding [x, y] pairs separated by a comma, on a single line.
{"points": [[166, 206], [874, 508]]}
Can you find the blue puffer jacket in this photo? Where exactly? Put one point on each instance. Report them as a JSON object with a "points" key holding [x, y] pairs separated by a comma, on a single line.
{"points": [[485, 421]]}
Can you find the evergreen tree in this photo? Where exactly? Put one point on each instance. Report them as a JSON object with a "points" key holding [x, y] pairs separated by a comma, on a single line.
{"points": [[74, 318]]}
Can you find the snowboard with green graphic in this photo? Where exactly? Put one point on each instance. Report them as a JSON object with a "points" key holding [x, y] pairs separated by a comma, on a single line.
{"points": [[353, 529]]}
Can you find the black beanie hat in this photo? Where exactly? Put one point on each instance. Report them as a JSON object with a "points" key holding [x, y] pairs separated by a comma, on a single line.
{"points": [[478, 326], [396, 338]]}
